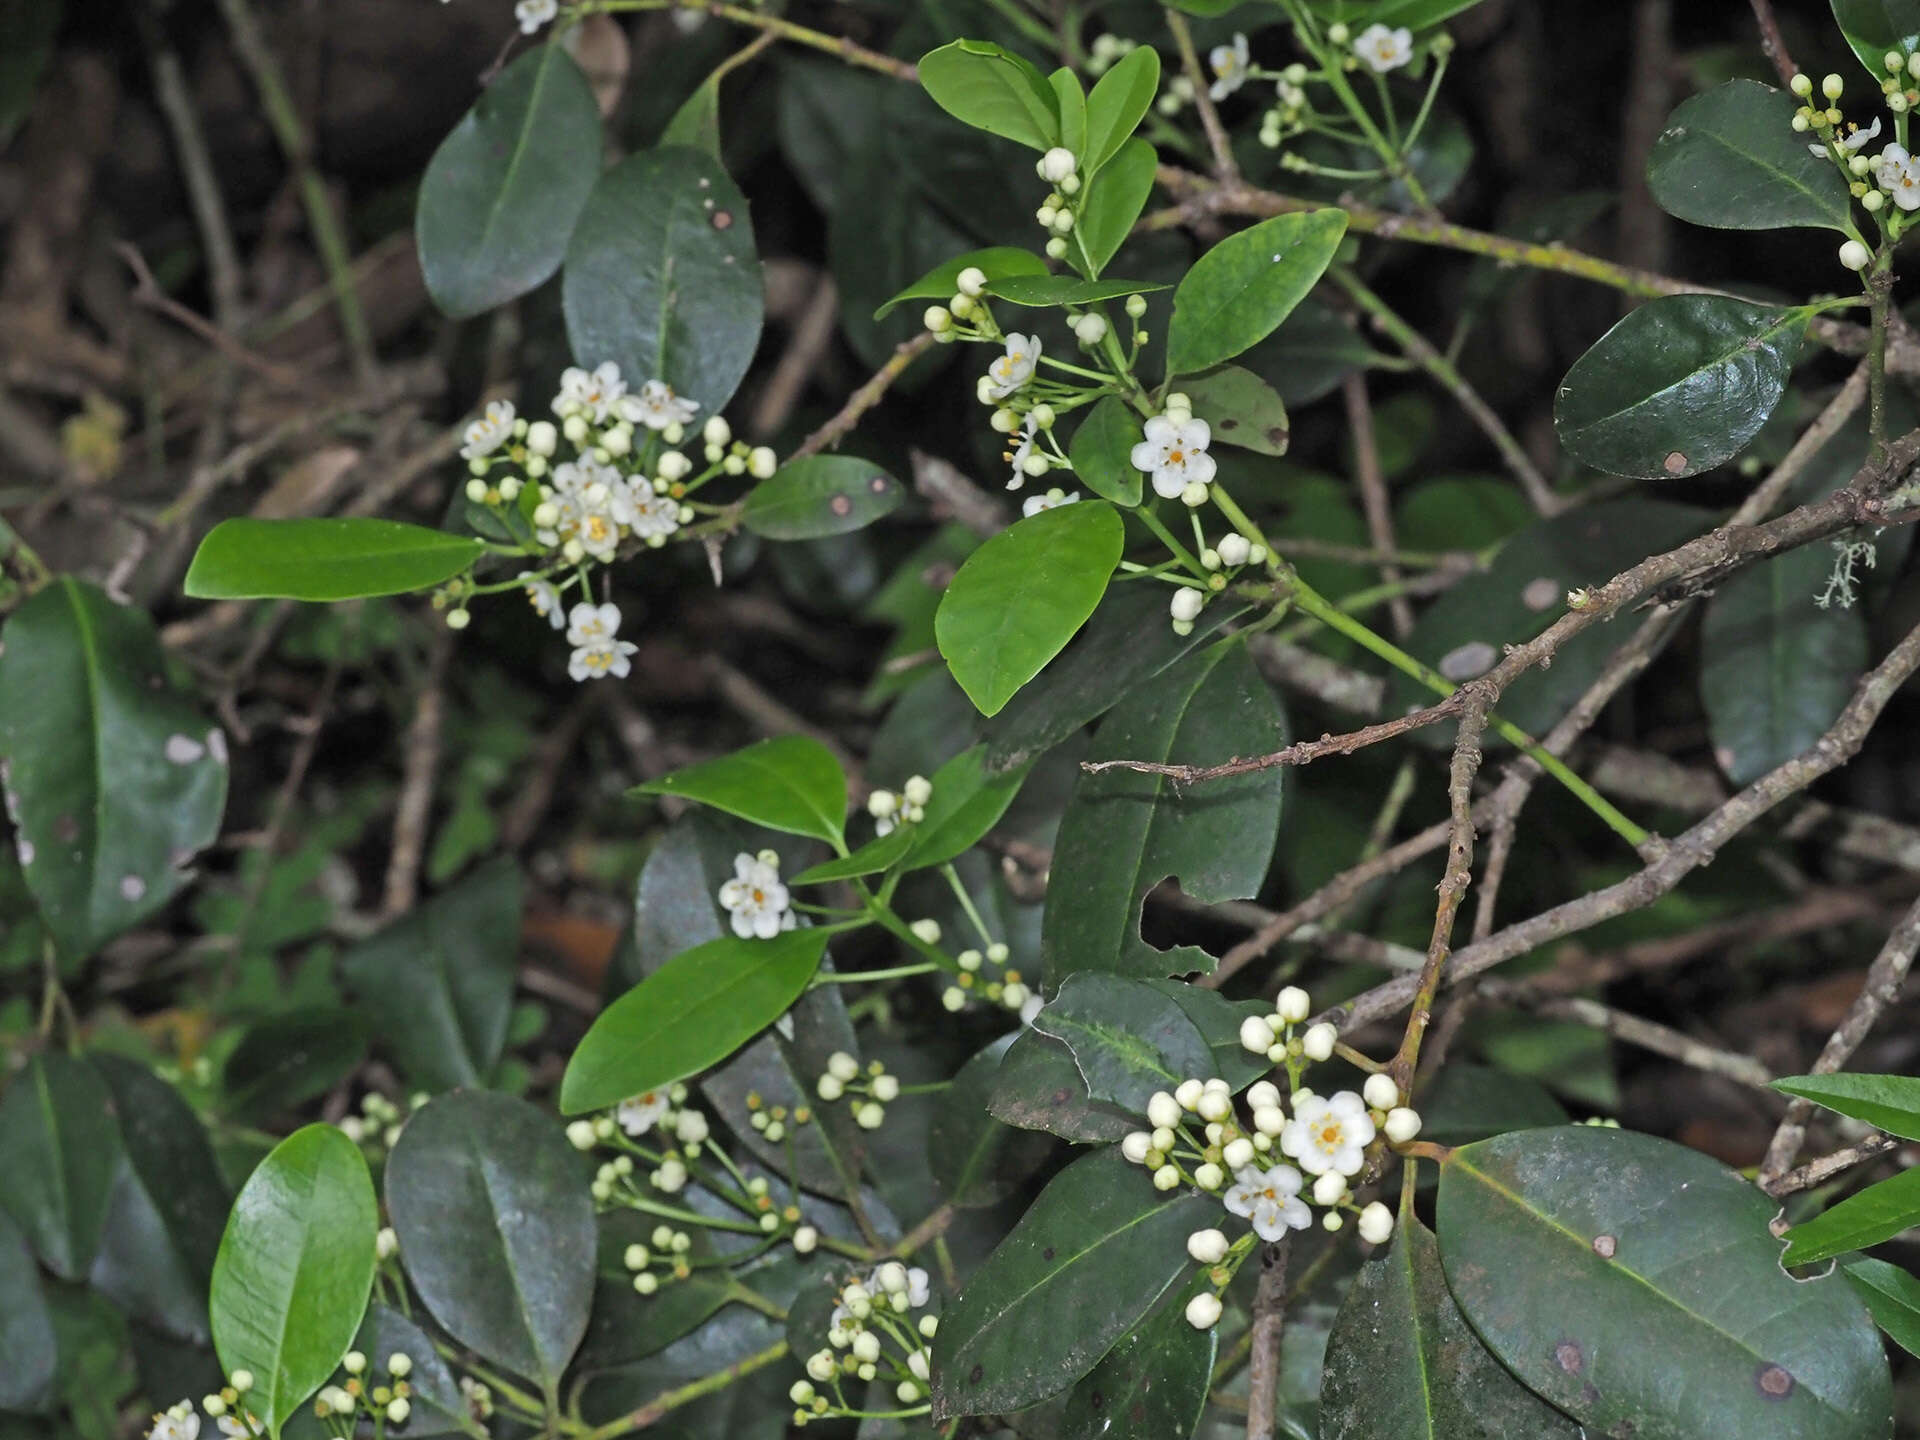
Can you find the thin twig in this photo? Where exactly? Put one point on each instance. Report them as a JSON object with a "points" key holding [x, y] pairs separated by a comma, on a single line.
{"points": [[421, 760], [1224, 166], [1373, 491], [1819, 1172], [1301, 752], [1647, 1034], [866, 397], [1772, 42], [148, 294], [1263, 1356]]}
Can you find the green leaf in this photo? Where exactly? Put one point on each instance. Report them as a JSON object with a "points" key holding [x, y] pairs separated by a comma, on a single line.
{"points": [[943, 281], [626, 1326], [879, 854], [1117, 105], [1887, 1102], [1114, 198], [1092, 1255], [1239, 291], [1876, 1213], [496, 1229], [113, 778], [1039, 1087], [1242, 408], [286, 1060], [438, 983], [501, 194], [662, 277], [1102, 451], [295, 1269], [439, 1408], [820, 495], [1123, 646], [59, 1152], [1153, 1384], [1218, 1021], [1731, 159], [992, 89], [1678, 387], [339, 558], [1893, 1298], [1873, 27], [1070, 101], [27, 31], [1668, 1316], [696, 124], [1128, 1039], [692, 1012], [1046, 290], [789, 783], [977, 1159], [26, 1327], [1776, 667], [1401, 1361], [1124, 832], [967, 803], [1469, 1102], [1021, 596]]}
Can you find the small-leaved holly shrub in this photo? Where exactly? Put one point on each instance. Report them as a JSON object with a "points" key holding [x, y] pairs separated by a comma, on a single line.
{"points": [[922, 1100]]}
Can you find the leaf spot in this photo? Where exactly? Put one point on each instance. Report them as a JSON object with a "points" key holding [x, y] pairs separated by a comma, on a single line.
{"points": [[1097, 1401], [1568, 1357], [975, 1375], [1047, 1254], [841, 505], [1675, 463], [184, 749], [132, 887], [1775, 1382], [1468, 661], [878, 484], [1541, 594], [723, 219], [66, 829], [1604, 1246]]}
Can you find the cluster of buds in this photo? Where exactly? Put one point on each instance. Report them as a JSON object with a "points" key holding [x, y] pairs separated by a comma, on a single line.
{"points": [[363, 1391], [873, 1335], [871, 1095], [661, 1261], [775, 1122], [907, 807], [380, 1121], [180, 1421], [1892, 175], [1001, 985], [1057, 213]]}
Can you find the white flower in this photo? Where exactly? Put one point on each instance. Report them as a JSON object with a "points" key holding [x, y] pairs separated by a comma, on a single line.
{"points": [[1052, 500], [545, 601], [532, 14], [593, 395], [657, 407], [1898, 173], [640, 1113], [1293, 1005], [1230, 64], [591, 630], [489, 432], [243, 1428], [1858, 139], [1020, 453], [1270, 1199], [1329, 1134], [653, 514], [1381, 49], [1015, 368], [1175, 454], [180, 1422], [755, 898]]}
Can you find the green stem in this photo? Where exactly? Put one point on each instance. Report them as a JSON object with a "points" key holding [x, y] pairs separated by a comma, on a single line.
{"points": [[862, 977], [834, 45], [654, 1410]]}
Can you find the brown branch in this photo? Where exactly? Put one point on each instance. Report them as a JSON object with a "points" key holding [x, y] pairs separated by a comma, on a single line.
{"points": [[1648, 1035], [1373, 491], [1224, 165], [1818, 1172], [866, 397], [421, 759], [1772, 42], [1301, 752], [148, 295], [1263, 1355]]}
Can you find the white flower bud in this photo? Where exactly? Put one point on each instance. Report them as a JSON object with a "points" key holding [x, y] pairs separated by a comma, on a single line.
{"points": [[1004, 421], [1262, 1093], [1801, 85], [1256, 1034], [886, 1089], [805, 1240], [1337, 34], [353, 1362], [1194, 496], [866, 1347], [1209, 1247], [1237, 1152], [917, 1362], [1402, 1124], [1046, 215], [386, 1244], [1056, 165], [938, 319], [1164, 1110], [1376, 1224], [1203, 1311], [1135, 1146], [1163, 1139], [1015, 996], [1330, 1188], [716, 431], [829, 1089], [1832, 86], [1332, 1221], [1215, 1105], [674, 466], [1317, 1043], [1042, 416], [821, 1366], [927, 932], [476, 491], [954, 999], [1136, 306], [542, 438], [1293, 1005], [1166, 1178], [918, 790], [399, 1365], [869, 1116], [1210, 1177], [1234, 549], [843, 1066], [1855, 256], [397, 1410], [970, 282], [762, 462], [1188, 1093], [1090, 329], [574, 427], [1380, 1092], [1873, 200], [801, 1393], [1057, 248], [1269, 1120]]}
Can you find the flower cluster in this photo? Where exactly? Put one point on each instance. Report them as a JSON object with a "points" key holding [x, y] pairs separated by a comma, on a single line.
{"points": [[754, 899], [1174, 454], [873, 1335], [532, 14], [842, 1078], [663, 1259], [909, 807], [380, 1121], [342, 1405], [1892, 175], [1007, 988]]}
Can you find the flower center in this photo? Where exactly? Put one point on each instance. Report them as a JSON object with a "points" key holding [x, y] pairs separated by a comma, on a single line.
{"points": [[1176, 457], [1331, 1137]]}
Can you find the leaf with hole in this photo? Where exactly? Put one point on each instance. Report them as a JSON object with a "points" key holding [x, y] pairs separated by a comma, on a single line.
{"points": [[336, 558], [820, 495], [1240, 291], [1128, 1039], [789, 783]]}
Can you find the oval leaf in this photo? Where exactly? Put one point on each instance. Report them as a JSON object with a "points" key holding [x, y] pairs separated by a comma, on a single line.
{"points": [[1128, 1039], [692, 1012], [994, 90], [1877, 1213], [1888, 1102], [1021, 596], [1090, 1257], [820, 495], [1669, 1316], [59, 1150], [1117, 105], [1153, 1384], [788, 783], [341, 558], [1873, 27], [501, 194], [27, 1337], [295, 1269], [976, 1159], [1679, 386], [1102, 452], [1893, 1297], [1239, 291], [1113, 200], [112, 777], [496, 1229], [1730, 158], [1040, 1088], [662, 277]]}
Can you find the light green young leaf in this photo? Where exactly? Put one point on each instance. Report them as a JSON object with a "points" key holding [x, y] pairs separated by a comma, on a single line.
{"points": [[942, 282], [1893, 1297], [1239, 291], [1071, 102], [1112, 201], [1117, 105], [789, 783], [1877, 1213], [992, 89], [1051, 290], [1888, 1102], [337, 558]]}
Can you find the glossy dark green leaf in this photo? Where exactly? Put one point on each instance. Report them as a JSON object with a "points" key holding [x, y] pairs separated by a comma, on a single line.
{"points": [[1401, 1361], [820, 495], [496, 1229], [1048, 290], [438, 983], [1123, 646], [1314, 349], [1679, 386], [967, 802], [295, 1269], [992, 89], [500, 197], [1731, 159], [324, 559], [1668, 1316], [788, 783], [286, 1060], [1892, 1296], [1128, 1039], [1776, 668], [1124, 832], [1239, 291], [1102, 451], [1242, 408], [162, 1231], [27, 1339], [694, 1011], [942, 282], [59, 1153], [662, 277], [628, 1326], [1022, 596], [1039, 1087], [1153, 1384], [1084, 1264], [438, 1406], [1116, 106], [1113, 200], [978, 1159], [1874, 27], [1877, 1213], [1468, 1102], [1887, 1102], [1218, 1021], [113, 778]]}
